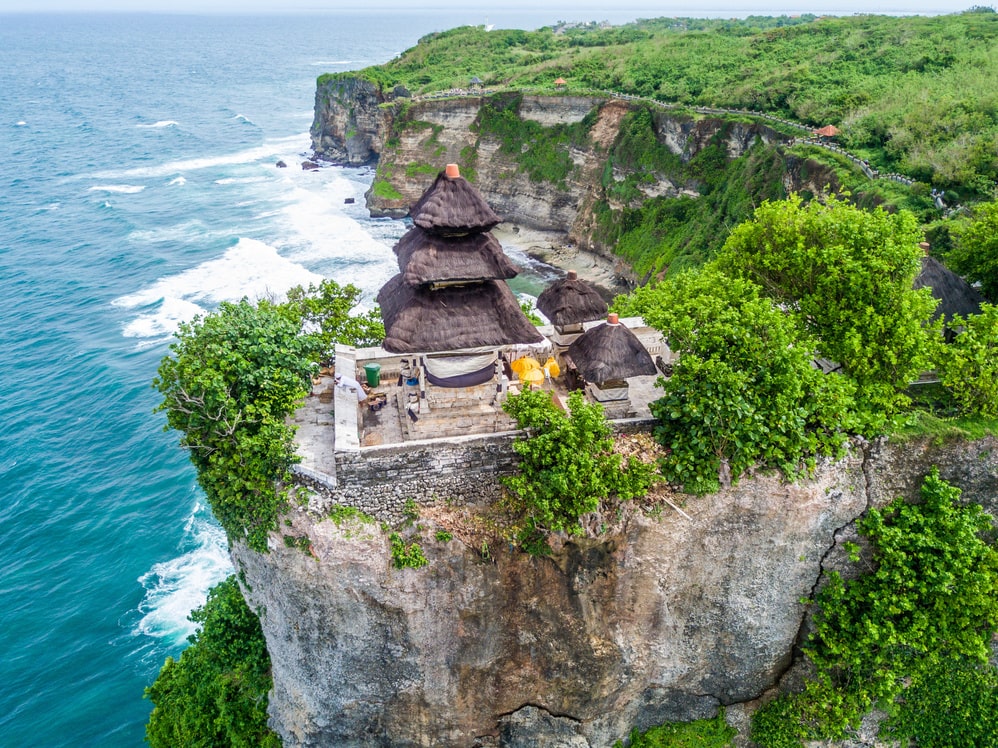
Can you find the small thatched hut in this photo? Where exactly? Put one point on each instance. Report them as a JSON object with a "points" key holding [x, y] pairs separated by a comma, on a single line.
{"points": [[569, 302], [610, 353]]}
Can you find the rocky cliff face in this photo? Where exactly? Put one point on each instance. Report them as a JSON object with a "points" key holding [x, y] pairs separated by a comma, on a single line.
{"points": [[660, 618], [413, 139]]}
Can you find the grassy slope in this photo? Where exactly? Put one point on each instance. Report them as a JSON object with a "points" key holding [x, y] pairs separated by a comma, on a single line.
{"points": [[911, 94]]}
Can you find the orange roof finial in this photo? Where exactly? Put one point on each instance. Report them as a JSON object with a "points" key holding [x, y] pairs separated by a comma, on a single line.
{"points": [[452, 171], [613, 319]]}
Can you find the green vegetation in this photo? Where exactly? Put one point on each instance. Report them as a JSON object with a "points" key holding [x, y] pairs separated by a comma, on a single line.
{"points": [[540, 152], [340, 514], [383, 189], [216, 693], [701, 733], [845, 274], [915, 629], [229, 384], [743, 391], [975, 253], [567, 465], [443, 536], [968, 366], [912, 94], [406, 555], [671, 233]]}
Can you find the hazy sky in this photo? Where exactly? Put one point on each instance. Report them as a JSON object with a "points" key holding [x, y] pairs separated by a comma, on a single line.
{"points": [[556, 8]]}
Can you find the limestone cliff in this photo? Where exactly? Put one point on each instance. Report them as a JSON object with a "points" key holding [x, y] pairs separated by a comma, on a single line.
{"points": [[413, 138], [659, 618]]}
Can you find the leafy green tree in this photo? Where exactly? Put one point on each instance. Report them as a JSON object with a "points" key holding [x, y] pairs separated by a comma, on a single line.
{"points": [[230, 382], [975, 253], [216, 693], [567, 464], [928, 605], [743, 390], [326, 310], [846, 274], [968, 366]]}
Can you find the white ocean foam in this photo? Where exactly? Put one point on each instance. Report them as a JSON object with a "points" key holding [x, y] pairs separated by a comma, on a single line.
{"points": [[241, 180], [161, 123], [250, 268], [176, 587], [244, 118], [268, 149], [320, 231], [332, 62], [124, 189], [178, 181], [22, 123]]}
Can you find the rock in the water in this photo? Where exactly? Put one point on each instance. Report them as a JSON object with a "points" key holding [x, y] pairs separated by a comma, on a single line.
{"points": [[281, 165], [309, 165], [349, 201]]}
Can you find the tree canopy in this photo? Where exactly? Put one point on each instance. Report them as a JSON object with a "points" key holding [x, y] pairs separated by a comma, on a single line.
{"points": [[846, 275], [231, 380], [743, 390], [567, 463], [215, 695], [975, 253]]}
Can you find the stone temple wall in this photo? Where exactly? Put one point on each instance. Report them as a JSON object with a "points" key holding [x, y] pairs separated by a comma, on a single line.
{"points": [[379, 480]]}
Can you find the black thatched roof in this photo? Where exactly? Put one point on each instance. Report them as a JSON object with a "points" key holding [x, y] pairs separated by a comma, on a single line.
{"points": [[473, 316], [428, 258], [610, 352], [955, 295], [452, 206], [569, 301]]}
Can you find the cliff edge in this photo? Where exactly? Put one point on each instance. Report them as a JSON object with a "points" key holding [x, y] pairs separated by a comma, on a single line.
{"points": [[659, 618]]}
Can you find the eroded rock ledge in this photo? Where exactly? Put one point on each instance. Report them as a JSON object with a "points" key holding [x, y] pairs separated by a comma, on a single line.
{"points": [[661, 618]]}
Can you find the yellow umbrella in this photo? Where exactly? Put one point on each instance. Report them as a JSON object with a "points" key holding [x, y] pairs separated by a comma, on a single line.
{"points": [[522, 365], [532, 376]]}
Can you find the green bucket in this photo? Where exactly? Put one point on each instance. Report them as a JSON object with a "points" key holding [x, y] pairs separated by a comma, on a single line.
{"points": [[373, 373]]}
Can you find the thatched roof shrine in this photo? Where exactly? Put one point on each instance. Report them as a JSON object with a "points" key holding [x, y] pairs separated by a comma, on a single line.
{"points": [[453, 207], [418, 320], [610, 352], [571, 301], [426, 258], [955, 295]]}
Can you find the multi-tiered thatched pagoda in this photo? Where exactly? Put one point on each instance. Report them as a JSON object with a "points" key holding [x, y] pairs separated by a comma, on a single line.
{"points": [[450, 302]]}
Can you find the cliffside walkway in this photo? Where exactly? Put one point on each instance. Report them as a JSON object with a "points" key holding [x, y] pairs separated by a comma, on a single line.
{"points": [[810, 139]]}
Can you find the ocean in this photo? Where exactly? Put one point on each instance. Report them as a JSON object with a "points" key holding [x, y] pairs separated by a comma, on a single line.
{"points": [[138, 188]]}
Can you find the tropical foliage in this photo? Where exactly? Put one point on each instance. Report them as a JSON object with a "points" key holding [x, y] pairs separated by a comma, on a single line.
{"points": [[743, 390], [968, 366], [912, 94], [845, 274], [567, 464], [216, 693], [924, 612], [975, 253], [230, 382]]}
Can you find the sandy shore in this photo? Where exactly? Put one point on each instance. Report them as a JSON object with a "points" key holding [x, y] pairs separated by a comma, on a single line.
{"points": [[552, 248]]}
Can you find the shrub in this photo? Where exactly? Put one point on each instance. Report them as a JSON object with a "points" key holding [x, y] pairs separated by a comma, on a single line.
{"points": [[216, 693], [567, 465]]}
